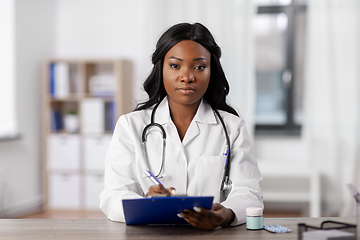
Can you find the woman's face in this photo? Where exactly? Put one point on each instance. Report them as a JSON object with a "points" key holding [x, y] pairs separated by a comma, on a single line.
{"points": [[186, 73]]}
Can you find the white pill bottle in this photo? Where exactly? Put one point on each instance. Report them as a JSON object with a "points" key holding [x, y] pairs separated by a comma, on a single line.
{"points": [[254, 218]]}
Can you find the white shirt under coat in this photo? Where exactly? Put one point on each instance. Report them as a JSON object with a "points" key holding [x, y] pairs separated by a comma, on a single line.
{"points": [[194, 166]]}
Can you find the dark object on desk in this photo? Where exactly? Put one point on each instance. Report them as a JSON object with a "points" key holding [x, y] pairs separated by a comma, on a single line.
{"points": [[327, 225], [161, 210]]}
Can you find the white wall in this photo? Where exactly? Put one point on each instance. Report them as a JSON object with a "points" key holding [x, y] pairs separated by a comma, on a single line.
{"points": [[21, 158], [101, 29], [281, 150]]}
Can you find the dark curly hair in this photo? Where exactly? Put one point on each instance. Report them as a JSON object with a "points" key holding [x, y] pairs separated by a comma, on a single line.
{"points": [[218, 87]]}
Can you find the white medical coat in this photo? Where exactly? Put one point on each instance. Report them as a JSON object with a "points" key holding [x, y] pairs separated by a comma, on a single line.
{"points": [[194, 166]]}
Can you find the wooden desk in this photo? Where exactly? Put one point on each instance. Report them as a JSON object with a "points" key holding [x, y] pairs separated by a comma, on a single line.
{"points": [[104, 229]]}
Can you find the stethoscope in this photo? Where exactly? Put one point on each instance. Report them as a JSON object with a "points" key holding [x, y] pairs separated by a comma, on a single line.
{"points": [[225, 187]]}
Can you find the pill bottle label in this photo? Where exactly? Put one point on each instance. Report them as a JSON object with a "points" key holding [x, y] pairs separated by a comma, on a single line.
{"points": [[254, 223]]}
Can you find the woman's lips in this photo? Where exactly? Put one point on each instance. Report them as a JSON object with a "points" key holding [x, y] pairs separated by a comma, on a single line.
{"points": [[186, 90]]}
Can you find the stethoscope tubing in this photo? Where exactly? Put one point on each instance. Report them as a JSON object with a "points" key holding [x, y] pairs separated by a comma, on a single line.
{"points": [[226, 175], [153, 124], [225, 180]]}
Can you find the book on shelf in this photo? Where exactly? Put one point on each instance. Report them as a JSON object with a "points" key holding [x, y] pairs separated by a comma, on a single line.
{"points": [[59, 80], [56, 121], [52, 81], [92, 115], [102, 85], [110, 116]]}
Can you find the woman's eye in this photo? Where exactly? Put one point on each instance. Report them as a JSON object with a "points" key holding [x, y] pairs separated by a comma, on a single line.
{"points": [[175, 66], [201, 67]]}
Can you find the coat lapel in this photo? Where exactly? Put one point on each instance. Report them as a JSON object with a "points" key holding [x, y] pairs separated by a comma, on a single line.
{"points": [[204, 115], [191, 132]]}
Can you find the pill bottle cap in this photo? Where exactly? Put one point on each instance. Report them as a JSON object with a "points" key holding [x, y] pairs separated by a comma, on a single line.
{"points": [[254, 211]]}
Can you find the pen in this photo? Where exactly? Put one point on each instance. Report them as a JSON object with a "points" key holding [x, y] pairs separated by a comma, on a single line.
{"points": [[226, 154], [152, 177], [157, 181]]}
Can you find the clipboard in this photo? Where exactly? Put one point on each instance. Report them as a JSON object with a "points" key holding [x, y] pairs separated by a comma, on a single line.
{"points": [[161, 210]]}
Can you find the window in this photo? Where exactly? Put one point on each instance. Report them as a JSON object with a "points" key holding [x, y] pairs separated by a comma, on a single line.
{"points": [[8, 124], [280, 38]]}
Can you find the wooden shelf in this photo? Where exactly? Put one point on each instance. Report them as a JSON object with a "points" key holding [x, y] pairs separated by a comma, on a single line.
{"points": [[72, 175]]}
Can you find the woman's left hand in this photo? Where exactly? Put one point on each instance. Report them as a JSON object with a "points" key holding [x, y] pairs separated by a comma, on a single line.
{"points": [[208, 219]]}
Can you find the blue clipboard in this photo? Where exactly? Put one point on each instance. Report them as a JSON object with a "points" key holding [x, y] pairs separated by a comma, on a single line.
{"points": [[161, 210]]}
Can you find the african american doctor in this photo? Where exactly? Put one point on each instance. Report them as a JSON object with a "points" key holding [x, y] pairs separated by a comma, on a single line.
{"points": [[187, 83]]}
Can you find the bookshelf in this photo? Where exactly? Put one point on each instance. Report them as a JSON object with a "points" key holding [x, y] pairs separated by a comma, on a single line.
{"points": [[82, 101]]}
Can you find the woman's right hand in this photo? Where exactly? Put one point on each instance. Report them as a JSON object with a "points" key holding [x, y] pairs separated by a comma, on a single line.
{"points": [[160, 190]]}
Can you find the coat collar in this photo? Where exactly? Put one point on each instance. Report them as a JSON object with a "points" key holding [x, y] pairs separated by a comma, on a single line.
{"points": [[204, 113]]}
